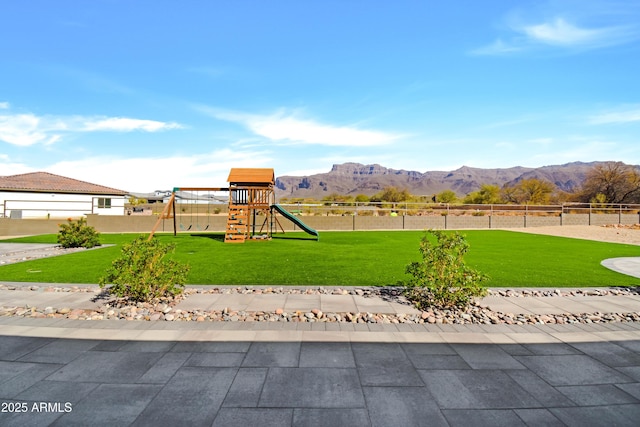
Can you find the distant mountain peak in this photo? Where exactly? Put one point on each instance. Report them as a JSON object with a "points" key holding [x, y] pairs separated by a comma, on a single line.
{"points": [[356, 178], [359, 169]]}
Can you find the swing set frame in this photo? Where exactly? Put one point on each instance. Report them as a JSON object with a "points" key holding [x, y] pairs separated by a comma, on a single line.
{"points": [[169, 211]]}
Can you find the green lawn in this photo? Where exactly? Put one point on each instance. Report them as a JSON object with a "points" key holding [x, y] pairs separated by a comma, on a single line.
{"points": [[369, 258]]}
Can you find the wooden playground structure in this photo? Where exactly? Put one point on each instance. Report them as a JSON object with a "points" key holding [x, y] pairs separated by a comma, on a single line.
{"points": [[251, 194], [251, 201]]}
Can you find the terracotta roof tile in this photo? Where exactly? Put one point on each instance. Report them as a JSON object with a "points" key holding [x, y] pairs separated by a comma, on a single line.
{"points": [[48, 182]]}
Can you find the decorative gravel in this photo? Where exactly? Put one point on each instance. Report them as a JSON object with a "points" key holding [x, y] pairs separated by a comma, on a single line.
{"points": [[165, 310]]}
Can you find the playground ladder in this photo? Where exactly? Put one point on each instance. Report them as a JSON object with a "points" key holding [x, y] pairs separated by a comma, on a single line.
{"points": [[237, 224]]}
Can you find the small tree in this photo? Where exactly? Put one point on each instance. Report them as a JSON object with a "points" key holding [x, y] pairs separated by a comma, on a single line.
{"points": [[143, 273], [136, 201], [392, 194], [446, 196], [77, 234], [442, 279], [488, 194], [532, 191], [612, 182], [362, 198]]}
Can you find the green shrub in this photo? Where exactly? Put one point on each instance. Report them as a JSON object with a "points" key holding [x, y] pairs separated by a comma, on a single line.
{"points": [[441, 279], [143, 273], [77, 234]]}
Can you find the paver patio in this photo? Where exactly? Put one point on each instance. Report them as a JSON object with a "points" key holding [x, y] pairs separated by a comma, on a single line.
{"points": [[304, 383]]}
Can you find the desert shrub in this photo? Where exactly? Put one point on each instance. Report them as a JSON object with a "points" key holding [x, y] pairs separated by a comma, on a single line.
{"points": [[143, 272], [77, 234], [441, 279]]}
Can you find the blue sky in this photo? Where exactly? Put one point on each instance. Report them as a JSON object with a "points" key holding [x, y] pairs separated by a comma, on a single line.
{"points": [[144, 95]]}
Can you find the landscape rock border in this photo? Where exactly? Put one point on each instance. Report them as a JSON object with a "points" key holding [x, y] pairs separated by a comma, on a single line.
{"points": [[165, 310]]}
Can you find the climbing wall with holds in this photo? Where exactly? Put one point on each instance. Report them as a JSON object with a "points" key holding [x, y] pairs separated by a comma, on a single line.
{"points": [[237, 225]]}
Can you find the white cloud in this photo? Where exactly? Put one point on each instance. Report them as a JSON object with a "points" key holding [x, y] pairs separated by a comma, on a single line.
{"points": [[160, 173], [509, 123], [4, 105], [305, 172], [29, 129], [283, 127], [542, 141], [9, 167], [280, 128], [497, 48], [123, 124], [25, 129], [617, 117], [504, 145], [558, 32], [578, 149], [561, 32]]}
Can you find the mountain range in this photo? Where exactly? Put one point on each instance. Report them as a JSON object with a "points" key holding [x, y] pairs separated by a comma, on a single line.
{"points": [[356, 178]]}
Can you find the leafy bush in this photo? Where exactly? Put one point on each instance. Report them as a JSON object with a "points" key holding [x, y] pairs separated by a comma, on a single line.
{"points": [[77, 234], [143, 273], [442, 279]]}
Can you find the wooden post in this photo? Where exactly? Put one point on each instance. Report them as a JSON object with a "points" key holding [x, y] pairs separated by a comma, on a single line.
{"points": [[173, 207], [165, 214]]}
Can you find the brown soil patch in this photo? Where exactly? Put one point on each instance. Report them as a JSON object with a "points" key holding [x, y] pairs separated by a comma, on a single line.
{"points": [[629, 234]]}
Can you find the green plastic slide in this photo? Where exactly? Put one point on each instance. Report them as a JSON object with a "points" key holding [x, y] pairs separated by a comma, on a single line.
{"points": [[295, 220]]}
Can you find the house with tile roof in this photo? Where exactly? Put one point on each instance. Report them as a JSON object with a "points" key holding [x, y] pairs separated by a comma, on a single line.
{"points": [[46, 195]]}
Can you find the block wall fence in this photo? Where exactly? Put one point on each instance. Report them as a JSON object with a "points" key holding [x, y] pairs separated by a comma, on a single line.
{"points": [[217, 223]]}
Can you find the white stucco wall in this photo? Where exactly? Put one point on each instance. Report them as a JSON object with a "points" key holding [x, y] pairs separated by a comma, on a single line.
{"points": [[57, 205]]}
